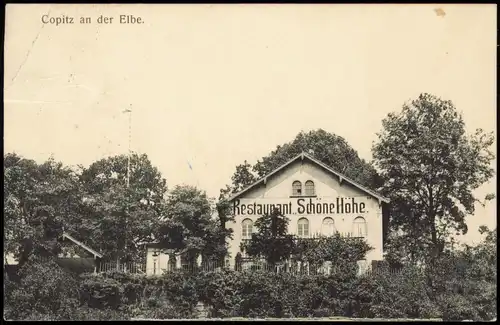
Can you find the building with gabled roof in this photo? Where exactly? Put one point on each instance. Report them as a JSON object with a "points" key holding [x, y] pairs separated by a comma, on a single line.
{"points": [[74, 255], [317, 200]]}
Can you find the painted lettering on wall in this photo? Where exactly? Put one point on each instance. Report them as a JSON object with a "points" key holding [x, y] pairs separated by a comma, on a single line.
{"points": [[339, 205]]}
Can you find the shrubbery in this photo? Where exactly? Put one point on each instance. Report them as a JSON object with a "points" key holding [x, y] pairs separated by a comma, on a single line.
{"points": [[46, 292], [172, 295], [266, 294], [388, 294], [45, 289]]}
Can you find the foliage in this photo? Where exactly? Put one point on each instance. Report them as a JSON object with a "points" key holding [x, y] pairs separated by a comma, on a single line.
{"points": [[93, 204], [84, 313], [127, 215], [170, 296], [393, 295], [426, 159], [115, 291], [430, 168], [39, 201], [268, 294], [223, 216], [188, 226], [339, 249], [254, 294], [159, 309], [402, 250], [330, 149], [242, 177], [44, 289], [456, 307], [102, 292], [271, 240], [464, 282], [219, 290]]}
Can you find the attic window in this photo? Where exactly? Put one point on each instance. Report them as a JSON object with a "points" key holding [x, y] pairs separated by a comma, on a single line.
{"points": [[296, 188], [309, 187]]}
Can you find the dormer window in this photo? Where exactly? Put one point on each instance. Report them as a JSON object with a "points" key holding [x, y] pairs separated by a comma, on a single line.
{"points": [[296, 188]]}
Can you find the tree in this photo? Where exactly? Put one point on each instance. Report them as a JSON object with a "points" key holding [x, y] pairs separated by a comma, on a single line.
{"points": [[430, 168], [116, 217], [243, 177], [328, 148], [271, 240], [188, 227], [403, 249], [40, 200], [223, 216]]}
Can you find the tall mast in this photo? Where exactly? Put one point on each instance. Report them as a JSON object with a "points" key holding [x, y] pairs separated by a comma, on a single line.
{"points": [[129, 111]]}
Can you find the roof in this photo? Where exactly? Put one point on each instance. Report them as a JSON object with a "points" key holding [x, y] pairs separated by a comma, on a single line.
{"points": [[11, 260], [95, 253], [303, 156]]}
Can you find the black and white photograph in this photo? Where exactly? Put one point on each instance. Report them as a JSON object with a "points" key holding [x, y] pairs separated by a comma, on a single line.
{"points": [[298, 162]]}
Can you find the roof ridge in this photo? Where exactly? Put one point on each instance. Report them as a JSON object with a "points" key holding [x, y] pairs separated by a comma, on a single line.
{"points": [[303, 155]]}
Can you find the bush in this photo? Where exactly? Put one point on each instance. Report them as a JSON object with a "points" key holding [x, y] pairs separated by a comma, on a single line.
{"points": [[84, 313], [483, 296], [161, 309], [140, 294], [265, 294], [101, 292], [45, 292], [385, 294], [456, 307], [260, 294], [181, 291], [44, 289], [221, 291]]}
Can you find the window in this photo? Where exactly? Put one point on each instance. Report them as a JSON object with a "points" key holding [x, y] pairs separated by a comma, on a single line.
{"points": [[184, 262], [247, 229], [310, 188], [362, 267], [360, 229], [297, 188], [328, 227], [172, 262], [303, 227]]}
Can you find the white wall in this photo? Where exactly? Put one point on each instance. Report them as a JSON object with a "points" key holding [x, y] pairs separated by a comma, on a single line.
{"points": [[161, 261], [278, 189]]}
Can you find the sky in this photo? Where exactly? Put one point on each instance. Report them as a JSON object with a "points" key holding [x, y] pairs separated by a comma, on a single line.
{"points": [[213, 85]]}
